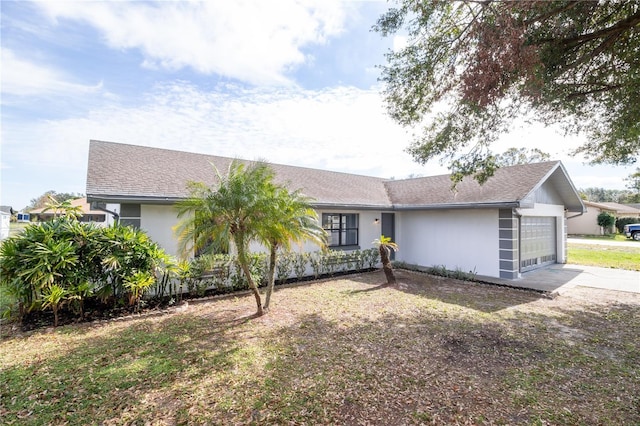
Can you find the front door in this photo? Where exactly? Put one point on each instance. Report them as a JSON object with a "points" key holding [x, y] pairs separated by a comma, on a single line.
{"points": [[389, 228]]}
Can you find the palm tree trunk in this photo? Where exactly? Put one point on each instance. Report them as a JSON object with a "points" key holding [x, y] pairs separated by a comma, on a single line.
{"points": [[386, 264], [271, 274], [55, 315], [244, 264]]}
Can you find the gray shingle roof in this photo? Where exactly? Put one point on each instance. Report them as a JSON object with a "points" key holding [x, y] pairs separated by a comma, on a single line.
{"points": [[119, 171], [137, 173], [621, 208], [507, 185]]}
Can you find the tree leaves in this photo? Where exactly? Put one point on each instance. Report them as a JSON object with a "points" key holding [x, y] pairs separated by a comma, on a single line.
{"points": [[573, 63]]}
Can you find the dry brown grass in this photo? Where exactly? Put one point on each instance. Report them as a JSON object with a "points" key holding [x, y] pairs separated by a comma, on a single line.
{"points": [[343, 351]]}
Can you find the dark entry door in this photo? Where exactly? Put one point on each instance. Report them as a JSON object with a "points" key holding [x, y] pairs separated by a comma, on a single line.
{"points": [[389, 228]]}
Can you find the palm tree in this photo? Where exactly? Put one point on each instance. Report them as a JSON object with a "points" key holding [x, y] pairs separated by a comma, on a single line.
{"points": [[54, 296], [64, 208], [291, 219], [229, 212], [385, 245]]}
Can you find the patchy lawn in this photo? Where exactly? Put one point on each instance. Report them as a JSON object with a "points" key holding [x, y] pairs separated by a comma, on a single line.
{"points": [[618, 257], [343, 351], [608, 237]]}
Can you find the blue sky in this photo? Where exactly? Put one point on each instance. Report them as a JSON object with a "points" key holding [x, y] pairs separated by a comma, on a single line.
{"points": [[292, 82]]}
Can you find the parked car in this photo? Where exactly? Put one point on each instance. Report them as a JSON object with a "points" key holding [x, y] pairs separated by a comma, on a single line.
{"points": [[632, 230]]}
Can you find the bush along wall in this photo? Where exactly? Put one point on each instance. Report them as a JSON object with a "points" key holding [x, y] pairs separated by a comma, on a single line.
{"points": [[64, 266], [62, 263], [221, 273]]}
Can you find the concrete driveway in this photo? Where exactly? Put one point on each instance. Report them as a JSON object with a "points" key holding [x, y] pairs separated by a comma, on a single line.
{"points": [[558, 278]]}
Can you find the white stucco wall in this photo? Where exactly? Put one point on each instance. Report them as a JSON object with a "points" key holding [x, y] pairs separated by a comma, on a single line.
{"points": [[109, 220], [158, 222], [465, 239], [368, 231]]}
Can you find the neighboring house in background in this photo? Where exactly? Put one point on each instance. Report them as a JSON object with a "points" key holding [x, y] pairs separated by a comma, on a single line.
{"points": [[513, 223], [88, 214], [623, 210], [587, 224], [5, 224]]}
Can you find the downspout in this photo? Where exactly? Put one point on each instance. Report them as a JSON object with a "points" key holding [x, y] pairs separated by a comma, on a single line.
{"points": [[116, 216]]}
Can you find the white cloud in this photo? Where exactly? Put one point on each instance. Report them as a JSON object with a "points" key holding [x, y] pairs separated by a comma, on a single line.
{"points": [[253, 41], [342, 129], [24, 78]]}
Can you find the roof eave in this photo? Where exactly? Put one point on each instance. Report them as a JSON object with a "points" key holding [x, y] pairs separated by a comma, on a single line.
{"points": [[453, 206], [111, 198], [138, 199], [343, 206]]}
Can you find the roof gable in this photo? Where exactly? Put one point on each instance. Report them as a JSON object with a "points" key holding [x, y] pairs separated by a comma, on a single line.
{"points": [[510, 186]]}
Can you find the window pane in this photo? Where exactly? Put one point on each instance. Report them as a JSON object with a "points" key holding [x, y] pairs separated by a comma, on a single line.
{"points": [[351, 220], [342, 229], [130, 210], [351, 237], [333, 238]]}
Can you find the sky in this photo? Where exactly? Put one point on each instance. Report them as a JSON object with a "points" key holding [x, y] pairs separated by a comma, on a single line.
{"points": [[288, 81]]}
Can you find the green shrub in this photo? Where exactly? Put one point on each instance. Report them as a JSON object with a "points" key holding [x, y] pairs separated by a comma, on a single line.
{"points": [[622, 221], [284, 266], [53, 263], [300, 264], [606, 220]]}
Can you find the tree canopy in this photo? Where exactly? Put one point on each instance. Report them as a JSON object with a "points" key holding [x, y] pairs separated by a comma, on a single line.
{"points": [[576, 63], [602, 195], [633, 181], [513, 156]]}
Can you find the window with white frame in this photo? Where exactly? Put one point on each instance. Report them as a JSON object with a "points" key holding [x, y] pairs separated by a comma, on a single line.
{"points": [[342, 228]]}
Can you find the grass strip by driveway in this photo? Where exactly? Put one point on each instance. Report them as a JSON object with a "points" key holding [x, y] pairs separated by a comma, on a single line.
{"points": [[607, 237], [604, 256], [343, 351]]}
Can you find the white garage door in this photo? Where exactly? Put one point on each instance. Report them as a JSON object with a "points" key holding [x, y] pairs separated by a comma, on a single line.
{"points": [[537, 242]]}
